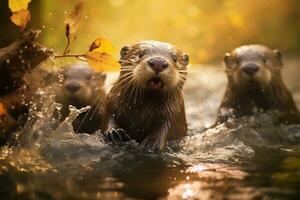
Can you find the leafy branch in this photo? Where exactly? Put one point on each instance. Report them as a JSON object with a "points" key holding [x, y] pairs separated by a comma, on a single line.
{"points": [[100, 53]]}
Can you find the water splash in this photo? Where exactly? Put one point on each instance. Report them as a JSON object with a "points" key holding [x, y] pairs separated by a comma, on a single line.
{"points": [[206, 164]]}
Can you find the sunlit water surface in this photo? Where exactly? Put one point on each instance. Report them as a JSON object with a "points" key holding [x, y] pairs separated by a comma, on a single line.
{"points": [[250, 158]]}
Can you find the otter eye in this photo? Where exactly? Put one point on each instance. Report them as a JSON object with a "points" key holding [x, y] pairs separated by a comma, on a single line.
{"points": [[141, 54], [89, 77], [231, 61], [264, 59], [174, 58]]}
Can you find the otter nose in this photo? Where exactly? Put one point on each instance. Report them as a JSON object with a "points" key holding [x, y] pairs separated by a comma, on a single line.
{"points": [[73, 87], [158, 64], [250, 69]]}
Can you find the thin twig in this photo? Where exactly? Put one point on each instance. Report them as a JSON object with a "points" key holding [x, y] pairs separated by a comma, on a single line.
{"points": [[78, 56], [66, 50]]}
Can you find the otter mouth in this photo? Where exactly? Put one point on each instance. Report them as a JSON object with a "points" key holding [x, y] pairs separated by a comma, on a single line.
{"points": [[155, 83], [253, 84]]}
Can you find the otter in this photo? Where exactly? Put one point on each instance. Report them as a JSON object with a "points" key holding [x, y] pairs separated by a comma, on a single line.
{"points": [[255, 84], [146, 103], [81, 86]]}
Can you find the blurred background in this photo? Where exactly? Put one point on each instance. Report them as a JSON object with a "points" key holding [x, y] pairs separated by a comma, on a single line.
{"points": [[204, 29]]}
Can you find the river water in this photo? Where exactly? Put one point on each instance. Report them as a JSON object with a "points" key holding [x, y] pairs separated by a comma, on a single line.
{"points": [[251, 158]]}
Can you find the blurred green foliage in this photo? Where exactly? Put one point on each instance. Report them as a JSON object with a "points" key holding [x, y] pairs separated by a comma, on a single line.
{"points": [[204, 29]]}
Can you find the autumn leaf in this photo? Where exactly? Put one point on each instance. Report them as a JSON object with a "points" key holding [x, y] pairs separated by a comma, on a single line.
{"points": [[72, 24], [102, 45], [102, 61], [100, 56], [2, 109], [74, 18], [21, 18], [17, 5]]}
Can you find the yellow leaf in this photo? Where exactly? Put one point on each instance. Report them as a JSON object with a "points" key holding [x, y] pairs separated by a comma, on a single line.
{"points": [[101, 61], [74, 18], [21, 18], [2, 109], [16, 5], [102, 45]]}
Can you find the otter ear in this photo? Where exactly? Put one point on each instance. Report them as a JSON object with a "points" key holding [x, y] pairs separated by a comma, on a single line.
{"points": [[124, 51], [278, 55], [186, 59], [101, 76], [229, 59]]}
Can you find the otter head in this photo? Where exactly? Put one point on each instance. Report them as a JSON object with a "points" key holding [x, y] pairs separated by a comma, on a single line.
{"points": [[79, 84], [253, 66], [153, 65]]}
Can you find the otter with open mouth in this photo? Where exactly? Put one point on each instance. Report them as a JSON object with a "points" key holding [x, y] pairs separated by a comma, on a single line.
{"points": [[255, 83], [146, 102]]}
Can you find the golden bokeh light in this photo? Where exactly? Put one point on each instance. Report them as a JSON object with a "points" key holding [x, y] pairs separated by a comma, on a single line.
{"points": [[204, 29]]}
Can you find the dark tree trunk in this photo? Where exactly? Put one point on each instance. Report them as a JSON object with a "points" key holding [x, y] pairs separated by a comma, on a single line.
{"points": [[16, 60], [20, 57]]}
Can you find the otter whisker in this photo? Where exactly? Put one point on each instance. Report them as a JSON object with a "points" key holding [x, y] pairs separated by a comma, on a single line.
{"points": [[136, 94], [182, 78], [141, 91], [124, 78], [126, 70], [121, 60], [94, 101], [129, 67], [131, 92], [182, 72], [94, 112], [125, 87], [135, 88], [124, 83], [126, 62]]}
